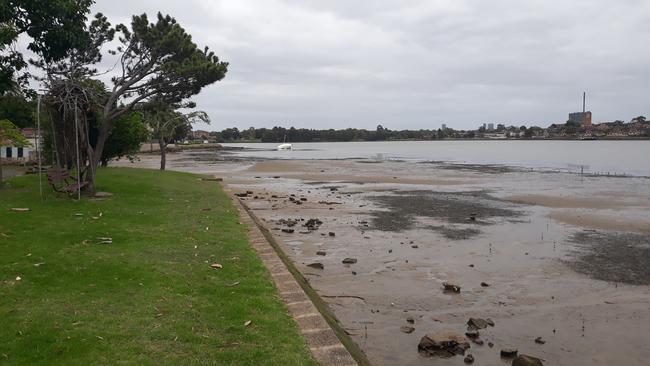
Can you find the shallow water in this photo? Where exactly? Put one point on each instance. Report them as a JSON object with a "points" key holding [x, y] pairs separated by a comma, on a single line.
{"points": [[613, 157]]}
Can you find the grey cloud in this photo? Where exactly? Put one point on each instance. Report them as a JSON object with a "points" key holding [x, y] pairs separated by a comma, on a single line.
{"points": [[415, 64]]}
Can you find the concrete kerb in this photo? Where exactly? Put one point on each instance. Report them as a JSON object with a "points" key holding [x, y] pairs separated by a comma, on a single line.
{"points": [[327, 340]]}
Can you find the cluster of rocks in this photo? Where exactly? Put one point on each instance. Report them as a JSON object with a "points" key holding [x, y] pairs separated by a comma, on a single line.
{"points": [[448, 344]]}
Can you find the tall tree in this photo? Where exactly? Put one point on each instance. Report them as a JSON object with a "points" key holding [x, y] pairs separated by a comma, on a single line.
{"points": [[165, 123], [156, 60], [10, 135]]}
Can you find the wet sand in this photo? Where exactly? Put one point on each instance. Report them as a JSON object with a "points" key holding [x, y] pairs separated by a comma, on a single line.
{"points": [[528, 235]]}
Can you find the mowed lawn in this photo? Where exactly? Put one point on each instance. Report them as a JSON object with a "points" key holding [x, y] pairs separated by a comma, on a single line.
{"points": [[148, 298]]}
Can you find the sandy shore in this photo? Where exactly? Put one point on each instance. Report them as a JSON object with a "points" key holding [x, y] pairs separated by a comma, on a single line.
{"points": [[564, 257]]}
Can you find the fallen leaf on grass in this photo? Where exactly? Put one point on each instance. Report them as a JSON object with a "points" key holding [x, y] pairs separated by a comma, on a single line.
{"points": [[247, 323], [232, 284], [19, 209], [216, 266], [38, 264], [18, 278]]}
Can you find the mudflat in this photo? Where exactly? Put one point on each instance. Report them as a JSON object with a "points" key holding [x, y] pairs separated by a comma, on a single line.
{"points": [[557, 261]]}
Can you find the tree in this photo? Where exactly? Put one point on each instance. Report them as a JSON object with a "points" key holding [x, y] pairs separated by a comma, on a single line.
{"points": [[10, 135], [125, 139], [54, 26], [157, 61], [17, 109], [165, 123], [571, 127]]}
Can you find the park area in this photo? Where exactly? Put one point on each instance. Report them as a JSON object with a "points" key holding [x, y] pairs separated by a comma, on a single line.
{"points": [[161, 272]]}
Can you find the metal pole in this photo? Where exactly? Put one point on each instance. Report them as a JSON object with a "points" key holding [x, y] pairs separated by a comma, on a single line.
{"points": [[76, 131], [38, 144]]}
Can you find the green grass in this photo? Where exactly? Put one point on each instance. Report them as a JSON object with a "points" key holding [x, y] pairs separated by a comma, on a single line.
{"points": [[150, 297]]}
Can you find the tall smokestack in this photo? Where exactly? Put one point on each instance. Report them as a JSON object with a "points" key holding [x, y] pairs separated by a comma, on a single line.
{"points": [[584, 101]]}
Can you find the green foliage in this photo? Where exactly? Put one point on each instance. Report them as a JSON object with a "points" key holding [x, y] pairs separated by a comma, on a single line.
{"points": [[160, 59], [126, 137], [53, 26], [150, 297], [10, 134], [18, 110]]}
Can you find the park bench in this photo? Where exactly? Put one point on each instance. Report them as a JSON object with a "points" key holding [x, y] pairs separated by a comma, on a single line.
{"points": [[62, 182]]}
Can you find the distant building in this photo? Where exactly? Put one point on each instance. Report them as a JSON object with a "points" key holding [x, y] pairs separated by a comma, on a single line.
{"points": [[584, 118], [444, 127], [490, 127], [20, 154]]}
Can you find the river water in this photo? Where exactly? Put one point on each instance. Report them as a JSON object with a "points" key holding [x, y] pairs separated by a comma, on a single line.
{"points": [[602, 157]]}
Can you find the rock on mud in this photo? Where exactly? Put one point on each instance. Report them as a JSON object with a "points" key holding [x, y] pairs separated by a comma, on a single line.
{"points": [[525, 360], [316, 265], [443, 344], [406, 329], [450, 287], [349, 261], [478, 323], [509, 352]]}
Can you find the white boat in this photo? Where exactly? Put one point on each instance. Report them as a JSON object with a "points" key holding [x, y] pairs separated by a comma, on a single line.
{"points": [[284, 145]]}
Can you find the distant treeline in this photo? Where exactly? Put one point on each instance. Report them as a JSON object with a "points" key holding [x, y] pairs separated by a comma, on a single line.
{"points": [[280, 134]]}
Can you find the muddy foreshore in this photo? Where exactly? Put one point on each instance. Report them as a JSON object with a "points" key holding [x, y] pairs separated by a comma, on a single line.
{"points": [[555, 256]]}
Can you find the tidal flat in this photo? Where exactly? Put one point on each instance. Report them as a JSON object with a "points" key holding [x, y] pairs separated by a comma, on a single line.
{"points": [[554, 256]]}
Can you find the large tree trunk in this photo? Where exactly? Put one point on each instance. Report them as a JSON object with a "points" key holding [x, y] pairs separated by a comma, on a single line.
{"points": [[94, 157], [163, 153]]}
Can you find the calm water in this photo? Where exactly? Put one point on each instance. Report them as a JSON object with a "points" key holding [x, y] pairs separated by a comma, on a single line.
{"points": [[614, 157]]}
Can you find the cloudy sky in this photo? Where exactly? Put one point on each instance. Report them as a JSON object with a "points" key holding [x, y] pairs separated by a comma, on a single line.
{"points": [[415, 64]]}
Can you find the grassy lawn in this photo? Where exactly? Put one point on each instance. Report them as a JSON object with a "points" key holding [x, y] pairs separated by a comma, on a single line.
{"points": [[150, 297]]}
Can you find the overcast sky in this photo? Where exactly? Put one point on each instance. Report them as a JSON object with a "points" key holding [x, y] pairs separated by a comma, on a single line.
{"points": [[415, 64]]}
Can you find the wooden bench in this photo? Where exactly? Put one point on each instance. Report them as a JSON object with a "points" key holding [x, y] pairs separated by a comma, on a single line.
{"points": [[62, 182]]}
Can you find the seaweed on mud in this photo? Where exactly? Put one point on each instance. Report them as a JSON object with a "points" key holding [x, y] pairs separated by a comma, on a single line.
{"points": [[403, 208], [481, 168], [612, 256], [455, 233]]}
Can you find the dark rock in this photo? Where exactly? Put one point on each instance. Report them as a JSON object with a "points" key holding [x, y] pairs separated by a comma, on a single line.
{"points": [[331, 233], [490, 344], [320, 252], [472, 334], [241, 194], [449, 287], [406, 329], [509, 352], [303, 199], [354, 273], [490, 322], [288, 231], [478, 341], [485, 284], [539, 340], [414, 246], [443, 344], [525, 360], [349, 261], [477, 323], [471, 266], [410, 320], [469, 358], [390, 250], [316, 265]]}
